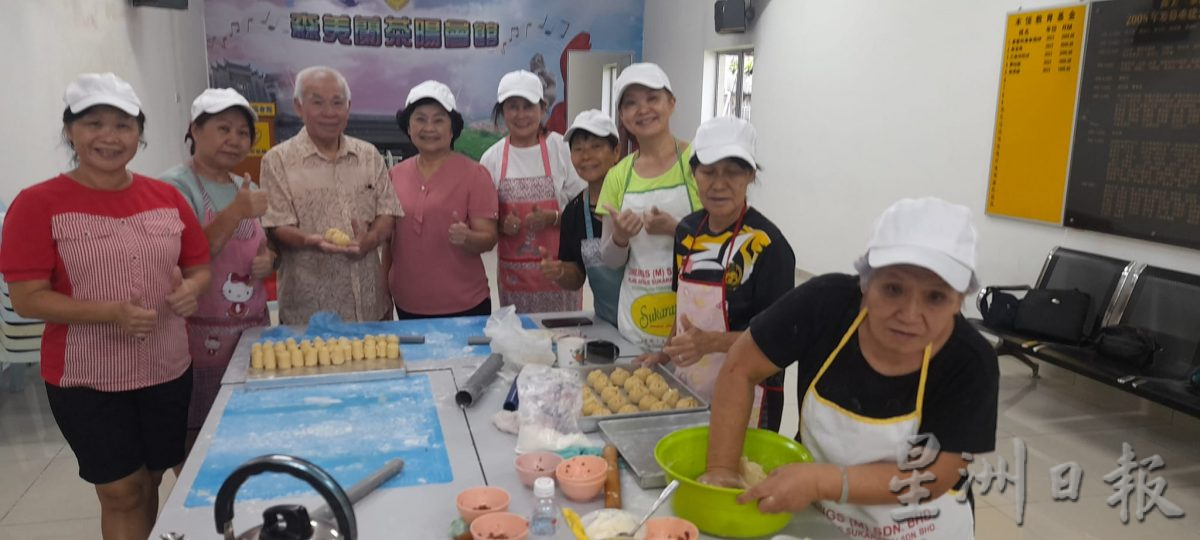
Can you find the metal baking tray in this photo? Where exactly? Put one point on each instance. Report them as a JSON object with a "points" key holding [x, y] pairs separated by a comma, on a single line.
{"points": [[635, 439], [590, 424]]}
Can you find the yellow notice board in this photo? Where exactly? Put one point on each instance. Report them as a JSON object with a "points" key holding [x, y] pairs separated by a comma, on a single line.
{"points": [[1035, 113]]}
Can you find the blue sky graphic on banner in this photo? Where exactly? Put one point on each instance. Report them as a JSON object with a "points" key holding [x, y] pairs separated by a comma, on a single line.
{"points": [[385, 47]]}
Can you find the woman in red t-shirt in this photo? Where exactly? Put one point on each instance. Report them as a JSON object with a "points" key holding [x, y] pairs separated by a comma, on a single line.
{"points": [[113, 262]]}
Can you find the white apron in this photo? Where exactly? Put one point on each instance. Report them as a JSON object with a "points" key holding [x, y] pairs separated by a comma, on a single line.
{"points": [[646, 310], [834, 435], [704, 304]]}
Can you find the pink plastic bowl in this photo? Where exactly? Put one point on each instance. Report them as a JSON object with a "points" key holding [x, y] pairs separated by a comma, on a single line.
{"points": [[477, 501], [534, 465], [581, 477], [500, 526], [671, 528]]}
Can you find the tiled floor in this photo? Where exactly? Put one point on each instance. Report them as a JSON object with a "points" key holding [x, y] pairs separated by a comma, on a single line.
{"points": [[1060, 417]]}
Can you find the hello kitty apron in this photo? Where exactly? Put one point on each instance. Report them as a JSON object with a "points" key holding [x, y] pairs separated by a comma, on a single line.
{"points": [[520, 278], [234, 302]]}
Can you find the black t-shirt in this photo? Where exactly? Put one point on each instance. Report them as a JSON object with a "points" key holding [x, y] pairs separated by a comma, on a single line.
{"points": [[760, 270], [572, 231], [961, 388]]}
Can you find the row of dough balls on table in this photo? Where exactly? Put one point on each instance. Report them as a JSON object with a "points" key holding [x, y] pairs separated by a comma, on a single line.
{"points": [[623, 392], [271, 355]]}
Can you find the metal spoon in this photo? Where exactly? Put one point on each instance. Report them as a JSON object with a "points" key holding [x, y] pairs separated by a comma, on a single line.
{"points": [[666, 494]]}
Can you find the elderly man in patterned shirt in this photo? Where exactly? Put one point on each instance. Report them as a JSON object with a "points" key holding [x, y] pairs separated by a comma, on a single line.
{"points": [[320, 180]]}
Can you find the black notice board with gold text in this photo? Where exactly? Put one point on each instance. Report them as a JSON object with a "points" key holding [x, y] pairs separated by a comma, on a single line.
{"points": [[1135, 160]]}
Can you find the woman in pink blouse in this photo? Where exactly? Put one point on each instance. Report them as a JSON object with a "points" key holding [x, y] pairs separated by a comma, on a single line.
{"points": [[434, 263]]}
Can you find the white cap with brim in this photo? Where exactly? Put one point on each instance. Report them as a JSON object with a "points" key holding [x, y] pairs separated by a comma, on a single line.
{"points": [[216, 100], [432, 89], [91, 89], [644, 73], [520, 83], [929, 233], [725, 137], [592, 121]]}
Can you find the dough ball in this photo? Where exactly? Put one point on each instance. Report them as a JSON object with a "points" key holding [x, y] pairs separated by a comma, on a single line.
{"points": [[616, 402], [647, 401], [636, 394], [601, 411], [619, 376], [657, 388], [660, 406], [599, 381], [752, 473], [670, 397], [632, 382], [642, 373], [655, 377], [628, 408], [687, 403], [609, 392], [589, 409]]}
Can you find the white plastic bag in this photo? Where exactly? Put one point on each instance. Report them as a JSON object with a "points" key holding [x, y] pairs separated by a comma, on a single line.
{"points": [[518, 345], [551, 400]]}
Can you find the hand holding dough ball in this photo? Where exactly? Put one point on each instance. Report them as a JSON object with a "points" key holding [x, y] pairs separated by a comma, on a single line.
{"points": [[337, 237], [687, 403]]}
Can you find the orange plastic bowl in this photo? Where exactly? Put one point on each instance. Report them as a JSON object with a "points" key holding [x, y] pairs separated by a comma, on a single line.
{"points": [[581, 478], [478, 501]]}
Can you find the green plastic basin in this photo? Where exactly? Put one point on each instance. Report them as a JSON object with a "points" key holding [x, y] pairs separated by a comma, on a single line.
{"points": [[683, 456]]}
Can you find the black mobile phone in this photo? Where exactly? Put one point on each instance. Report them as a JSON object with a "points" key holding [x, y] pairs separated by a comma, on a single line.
{"points": [[563, 322]]}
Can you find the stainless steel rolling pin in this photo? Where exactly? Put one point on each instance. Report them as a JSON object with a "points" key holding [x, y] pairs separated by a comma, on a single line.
{"points": [[362, 488], [479, 381]]}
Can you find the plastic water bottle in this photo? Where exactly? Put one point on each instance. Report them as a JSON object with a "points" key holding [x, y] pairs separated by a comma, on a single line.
{"points": [[544, 521]]}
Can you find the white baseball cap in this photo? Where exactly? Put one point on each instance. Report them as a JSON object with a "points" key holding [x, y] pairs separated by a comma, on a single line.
{"points": [[592, 121], [520, 83], [644, 73], [432, 89], [929, 233], [725, 137], [215, 100], [90, 89]]}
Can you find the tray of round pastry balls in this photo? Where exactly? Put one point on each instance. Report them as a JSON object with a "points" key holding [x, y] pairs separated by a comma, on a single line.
{"points": [[271, 359], [611, 392]]}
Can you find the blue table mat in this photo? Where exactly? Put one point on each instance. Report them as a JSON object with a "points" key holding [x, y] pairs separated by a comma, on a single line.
{"points": [[349, 430]]}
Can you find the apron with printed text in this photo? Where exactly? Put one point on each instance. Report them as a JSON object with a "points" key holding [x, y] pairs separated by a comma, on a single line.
{"points": [[835, 435], [519, 270], [646, 309], [234, 302]]}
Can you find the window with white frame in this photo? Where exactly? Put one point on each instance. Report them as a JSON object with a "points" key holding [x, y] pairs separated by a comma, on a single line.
{"points": [[735, 78]]}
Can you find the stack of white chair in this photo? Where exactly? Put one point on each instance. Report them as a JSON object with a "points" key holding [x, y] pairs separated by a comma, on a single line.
{"points": [[20, 338]]}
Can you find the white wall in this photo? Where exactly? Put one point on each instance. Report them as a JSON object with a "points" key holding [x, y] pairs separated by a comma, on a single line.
{"points": [[160, 52], [679, 36], [858, 104]]}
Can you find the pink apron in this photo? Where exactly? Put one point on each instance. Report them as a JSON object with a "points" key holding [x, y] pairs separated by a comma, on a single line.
{"points": [[234, 302], [521, 282], [704, 305]]}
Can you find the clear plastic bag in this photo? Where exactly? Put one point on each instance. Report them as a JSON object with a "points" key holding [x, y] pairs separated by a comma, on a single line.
{"points": [[551, 400], [519, 345]]}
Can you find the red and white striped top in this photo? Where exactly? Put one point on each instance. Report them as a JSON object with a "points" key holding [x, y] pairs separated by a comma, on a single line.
{"points": [[106, 246]]}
